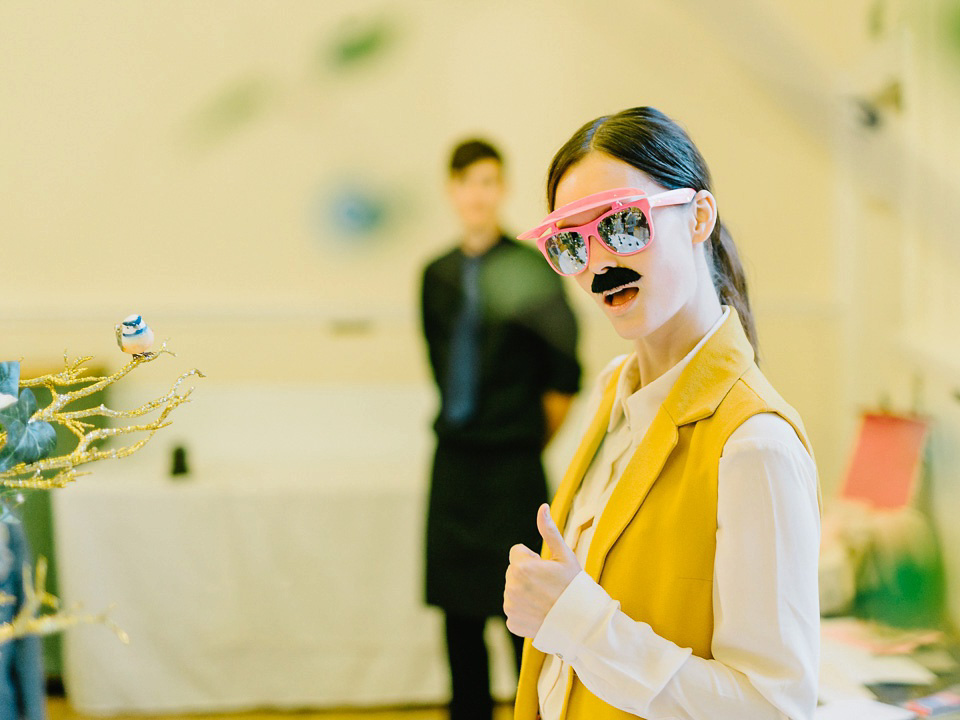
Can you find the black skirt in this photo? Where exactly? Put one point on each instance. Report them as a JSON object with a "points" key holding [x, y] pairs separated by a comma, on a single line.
{"points": [[482, 502]]}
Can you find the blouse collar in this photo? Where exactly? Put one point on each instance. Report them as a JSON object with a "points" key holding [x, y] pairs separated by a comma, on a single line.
{"points": [[632, 402]]}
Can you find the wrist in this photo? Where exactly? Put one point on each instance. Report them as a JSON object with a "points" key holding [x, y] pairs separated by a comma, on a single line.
{"points": [[574, 614]]}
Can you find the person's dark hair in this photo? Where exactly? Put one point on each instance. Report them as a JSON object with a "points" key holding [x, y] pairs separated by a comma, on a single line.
{"points": [[470, 151], [653, 143]]}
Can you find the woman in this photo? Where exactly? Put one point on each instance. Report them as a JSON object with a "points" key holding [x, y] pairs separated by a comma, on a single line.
{"points": [[682, 582]]}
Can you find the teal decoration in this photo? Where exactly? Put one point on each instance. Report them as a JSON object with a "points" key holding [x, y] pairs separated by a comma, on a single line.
{"points": [[351, 213], [9, 378], [27, 441], [358, 213], [36, 514]]}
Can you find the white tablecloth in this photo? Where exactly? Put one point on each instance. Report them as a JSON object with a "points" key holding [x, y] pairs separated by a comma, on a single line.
{"points": [[250, 585]]}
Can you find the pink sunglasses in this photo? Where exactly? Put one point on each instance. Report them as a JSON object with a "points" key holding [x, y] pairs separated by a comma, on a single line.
{"points": [[625, 229]]}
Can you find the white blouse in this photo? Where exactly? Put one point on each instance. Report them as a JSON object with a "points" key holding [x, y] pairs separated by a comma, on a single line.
{"points": [[765, 602]]}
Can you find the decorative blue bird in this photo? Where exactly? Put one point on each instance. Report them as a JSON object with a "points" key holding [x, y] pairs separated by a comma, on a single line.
{"points": [[134, 336]]}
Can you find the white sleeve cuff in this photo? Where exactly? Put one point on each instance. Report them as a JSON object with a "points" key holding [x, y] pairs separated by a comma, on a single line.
{"points": [[578, 610]]}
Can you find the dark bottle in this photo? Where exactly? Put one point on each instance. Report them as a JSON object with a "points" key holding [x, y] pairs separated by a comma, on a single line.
{"points": [[179, 466]]}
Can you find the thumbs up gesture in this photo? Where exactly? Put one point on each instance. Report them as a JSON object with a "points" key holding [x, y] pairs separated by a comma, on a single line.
{"points": [[534, 583]]}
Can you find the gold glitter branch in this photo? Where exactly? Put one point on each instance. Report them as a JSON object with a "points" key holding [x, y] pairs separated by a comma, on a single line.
{"points": [[30, 621], [29, 474], [40, 613], [75, 373]]}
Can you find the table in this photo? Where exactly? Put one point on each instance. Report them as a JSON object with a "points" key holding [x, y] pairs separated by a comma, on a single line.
{"points": [[266, 579]]}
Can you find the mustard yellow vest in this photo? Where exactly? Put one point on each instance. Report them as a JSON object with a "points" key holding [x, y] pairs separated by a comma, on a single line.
{"points": [[654, 545]]}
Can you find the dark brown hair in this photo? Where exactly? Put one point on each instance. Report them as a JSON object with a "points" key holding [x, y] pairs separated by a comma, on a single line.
{"points": [[654, 144], [470, 151]]}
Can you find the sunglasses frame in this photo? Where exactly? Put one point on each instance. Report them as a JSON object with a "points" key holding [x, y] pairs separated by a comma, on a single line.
{"points": [[618, 199]]}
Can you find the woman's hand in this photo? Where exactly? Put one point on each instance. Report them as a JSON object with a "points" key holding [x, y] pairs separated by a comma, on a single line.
{"points": [[534, 584]]}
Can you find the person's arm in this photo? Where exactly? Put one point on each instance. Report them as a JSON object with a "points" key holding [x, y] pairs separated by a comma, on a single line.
{"points": [[766, 629], [557, 328], [428, 323], [556, 406]]}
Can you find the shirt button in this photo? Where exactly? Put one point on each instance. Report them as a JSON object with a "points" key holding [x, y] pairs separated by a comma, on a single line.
{"points": [[559, 655]]}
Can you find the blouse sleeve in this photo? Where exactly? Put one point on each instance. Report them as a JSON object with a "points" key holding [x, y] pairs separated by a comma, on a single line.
{"points": [[766, 613]]}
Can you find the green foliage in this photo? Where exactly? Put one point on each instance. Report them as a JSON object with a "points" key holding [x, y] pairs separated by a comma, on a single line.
{"points": [[9, 378], [952, 24], [911, 596], [232, 108], [359, 41], [26, 441]]}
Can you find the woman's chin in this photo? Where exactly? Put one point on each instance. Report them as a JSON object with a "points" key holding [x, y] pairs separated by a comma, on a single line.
{"points": [[630, 328]]}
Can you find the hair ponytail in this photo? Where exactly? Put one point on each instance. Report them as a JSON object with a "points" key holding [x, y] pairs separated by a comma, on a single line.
{"points": [[730, 281], [653, 143]]}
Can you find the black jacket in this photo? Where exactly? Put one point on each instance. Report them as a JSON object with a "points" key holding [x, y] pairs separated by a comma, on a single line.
{"points": [[487, 479]]}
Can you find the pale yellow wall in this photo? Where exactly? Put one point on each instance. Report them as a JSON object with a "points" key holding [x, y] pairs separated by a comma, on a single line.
{"points": [[110, 207], [114, 211], [895, 213]]}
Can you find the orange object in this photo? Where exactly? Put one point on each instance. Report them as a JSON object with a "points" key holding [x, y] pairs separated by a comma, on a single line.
{"points": [[885, 468]]}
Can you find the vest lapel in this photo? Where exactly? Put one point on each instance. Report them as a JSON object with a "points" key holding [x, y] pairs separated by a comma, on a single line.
{"points": [[526, 703], [632, 488], [562, 501], [705, 382], [702, 385]]}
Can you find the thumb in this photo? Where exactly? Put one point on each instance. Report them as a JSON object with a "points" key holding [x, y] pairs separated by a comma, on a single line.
{"points": [[552, 538]]}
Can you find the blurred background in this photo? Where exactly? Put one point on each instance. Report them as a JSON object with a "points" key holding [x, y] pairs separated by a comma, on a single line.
{"points": [[263, 181]]}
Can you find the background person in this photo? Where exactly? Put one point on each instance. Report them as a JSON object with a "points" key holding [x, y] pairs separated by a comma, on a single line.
{"points": [[502, 346]]}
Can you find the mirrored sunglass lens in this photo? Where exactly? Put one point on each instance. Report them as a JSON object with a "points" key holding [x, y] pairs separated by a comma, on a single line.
{"points": [[625, 231], [567, 252]]}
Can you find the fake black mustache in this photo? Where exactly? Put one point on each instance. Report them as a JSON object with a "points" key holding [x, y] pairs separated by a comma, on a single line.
{"points": [[613, 278]]}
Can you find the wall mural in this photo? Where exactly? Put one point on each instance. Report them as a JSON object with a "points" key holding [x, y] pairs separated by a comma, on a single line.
{"points": [[357, 43], [349, 211]]}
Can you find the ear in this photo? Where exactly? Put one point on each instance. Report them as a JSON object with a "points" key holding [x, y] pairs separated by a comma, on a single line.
{"points": [[705, 216]]}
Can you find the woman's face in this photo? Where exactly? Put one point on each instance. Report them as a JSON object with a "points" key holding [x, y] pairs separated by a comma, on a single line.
{"points": [[640, 293]]}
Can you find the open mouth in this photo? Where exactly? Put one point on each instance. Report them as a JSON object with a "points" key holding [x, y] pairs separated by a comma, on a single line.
{"points": [[621, 295]]}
